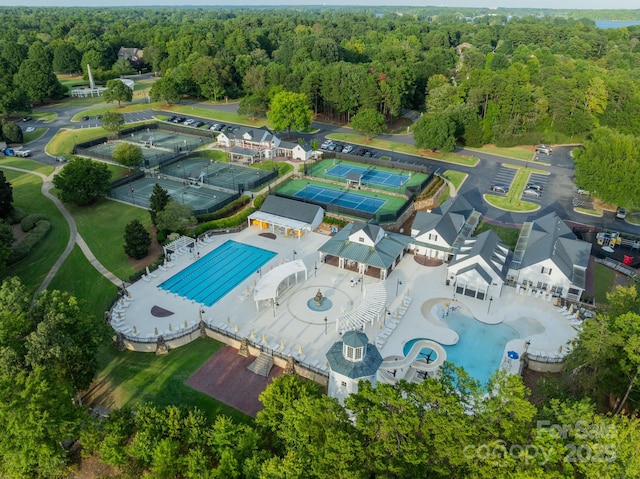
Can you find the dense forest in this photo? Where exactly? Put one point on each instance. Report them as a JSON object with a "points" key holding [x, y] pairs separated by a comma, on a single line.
{"points": [[489, 76], [479, 75]]}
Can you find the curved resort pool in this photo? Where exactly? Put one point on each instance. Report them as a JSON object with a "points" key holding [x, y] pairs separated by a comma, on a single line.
{"points": [[480, 347]]}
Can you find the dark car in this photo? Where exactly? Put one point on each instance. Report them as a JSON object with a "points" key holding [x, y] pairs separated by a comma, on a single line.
{"points": [[220, 127], [198, 124], [172, 118], [339, 148], [535, 186], [499, 189], [26, 118], [85, 118]]}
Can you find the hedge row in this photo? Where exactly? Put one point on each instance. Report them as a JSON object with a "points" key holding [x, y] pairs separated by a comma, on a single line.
{"points": [[29, 222], [431, 189], [228, 210], [30, 241], [334, 221], [230, 222]]}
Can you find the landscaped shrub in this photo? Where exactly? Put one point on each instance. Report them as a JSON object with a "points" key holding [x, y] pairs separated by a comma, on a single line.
{"points": [[230, 222], [228, 210], [30, 241], [17, 215], [259, 200], [335, 221], [29, 222]]}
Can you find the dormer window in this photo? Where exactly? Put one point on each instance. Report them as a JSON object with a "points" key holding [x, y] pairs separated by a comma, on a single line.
{"points": [[353, 354]]}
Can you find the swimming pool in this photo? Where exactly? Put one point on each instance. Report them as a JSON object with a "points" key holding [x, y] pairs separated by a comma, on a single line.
{"points": [[214, 275], [480, 347]]}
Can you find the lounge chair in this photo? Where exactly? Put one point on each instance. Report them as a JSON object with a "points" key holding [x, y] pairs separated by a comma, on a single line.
{"points": [[162, 268], [146, 278]]}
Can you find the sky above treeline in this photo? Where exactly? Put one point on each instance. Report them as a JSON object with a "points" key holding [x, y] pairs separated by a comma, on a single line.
{"points": [[561, 4]]}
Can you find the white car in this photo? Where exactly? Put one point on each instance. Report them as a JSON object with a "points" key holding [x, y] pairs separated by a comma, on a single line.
{"points": [[347, 149], [326, 145], [30, 129], [189, 121]]}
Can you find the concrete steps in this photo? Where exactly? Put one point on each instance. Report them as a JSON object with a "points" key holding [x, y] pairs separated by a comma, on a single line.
{"points": [[262, 364]]}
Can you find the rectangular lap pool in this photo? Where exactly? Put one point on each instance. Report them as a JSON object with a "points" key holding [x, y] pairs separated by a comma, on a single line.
{"points": [[213, 276], [355, 201]]}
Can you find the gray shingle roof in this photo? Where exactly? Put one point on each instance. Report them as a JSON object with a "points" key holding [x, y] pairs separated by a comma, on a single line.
{"points": [[295, 210], [551, 238], [488, 246], [446, 220], [382, 255]]}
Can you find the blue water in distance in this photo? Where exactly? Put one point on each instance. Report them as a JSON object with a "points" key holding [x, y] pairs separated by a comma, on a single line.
{"points": [[214, 275], [480, 348], [616, 24]]}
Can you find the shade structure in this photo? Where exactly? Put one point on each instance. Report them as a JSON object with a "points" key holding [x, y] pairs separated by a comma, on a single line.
{"points": [[267, 286]]}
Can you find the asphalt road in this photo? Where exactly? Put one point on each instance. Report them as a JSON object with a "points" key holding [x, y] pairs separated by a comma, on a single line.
{"points": [[559, 193]]}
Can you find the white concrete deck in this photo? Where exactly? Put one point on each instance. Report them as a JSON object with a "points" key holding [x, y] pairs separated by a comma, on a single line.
{"points": [[306, 333]]}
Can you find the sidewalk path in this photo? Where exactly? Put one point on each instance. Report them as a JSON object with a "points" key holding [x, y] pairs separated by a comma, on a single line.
{"points": [[74, 236]]}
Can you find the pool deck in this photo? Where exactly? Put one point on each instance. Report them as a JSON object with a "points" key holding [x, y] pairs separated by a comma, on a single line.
{"points": [[306, 333]]}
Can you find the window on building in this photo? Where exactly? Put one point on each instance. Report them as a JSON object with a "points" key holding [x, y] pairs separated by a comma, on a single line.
{"points": [[358, 353], [546, 270], [349, 352], [361, 239], [343, 384]]}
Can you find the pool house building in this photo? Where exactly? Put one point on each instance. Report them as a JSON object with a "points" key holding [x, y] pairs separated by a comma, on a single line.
{"points": [[366, 248], [287, 217]]}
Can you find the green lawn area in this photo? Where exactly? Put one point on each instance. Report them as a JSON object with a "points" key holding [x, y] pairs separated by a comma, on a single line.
{"points": [[102, 227], [393, 146], [128, 378], [27, 195], [63, 142], [32, 136], [604, 281], [455, 177], [79, 278], [524, 153], [27, 164], [509, 236]]}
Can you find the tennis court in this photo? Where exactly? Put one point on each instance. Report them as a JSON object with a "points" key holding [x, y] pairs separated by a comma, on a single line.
{"points": [[151, 156], [369, 175], [139, 191], [167, 139], [217, 173], [366, 204]]}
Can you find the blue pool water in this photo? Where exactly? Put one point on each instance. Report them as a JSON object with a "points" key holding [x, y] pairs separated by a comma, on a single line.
{"points": [[214, 275], [480, 348]]}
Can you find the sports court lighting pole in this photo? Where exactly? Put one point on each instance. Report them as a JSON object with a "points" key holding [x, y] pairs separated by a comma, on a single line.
{"points": [[398, 283], [294, 254], [325, 325], [315, 269], [490, 301]]}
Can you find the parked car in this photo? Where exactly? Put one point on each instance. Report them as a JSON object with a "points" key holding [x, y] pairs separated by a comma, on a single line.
{"points": [[621, 213], [85, 118], [171, 118], [339, 148], [347, 149], [60, 159], [546, 149], [582, 191], [499, 189], [325, 144], [190, 121], [23, 153], [369, 154], [532, 192], [535, 186], [30, 129], [26, 118], [198, 124], [98, 117]]}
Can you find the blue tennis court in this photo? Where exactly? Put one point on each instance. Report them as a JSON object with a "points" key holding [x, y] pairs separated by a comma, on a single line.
{"points": [[354, 201], [213, 276], [369, 175]]}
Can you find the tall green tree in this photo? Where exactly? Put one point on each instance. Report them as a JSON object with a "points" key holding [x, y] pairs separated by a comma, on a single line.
{"points": [[112, 121], [128, 154], [435, 132], [137, 240], [6, 197], [290, 110], [175, 217], [368, 121], [83, 181], [117, 91], [158, 201], [66, 58], [38, 81], [166, 90]]}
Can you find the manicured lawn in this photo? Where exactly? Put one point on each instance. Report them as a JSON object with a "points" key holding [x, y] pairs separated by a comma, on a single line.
{"points": [[524, 153], [604, 281], [64, 141], [102, 226], [32, 136], [402, 148], [79, 278], [455, 177], [27, 164], [509, 236], [28, 196], [129, 378]]}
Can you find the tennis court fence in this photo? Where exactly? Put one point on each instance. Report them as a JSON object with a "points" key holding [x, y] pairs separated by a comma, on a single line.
{"points": [[380, 216]]}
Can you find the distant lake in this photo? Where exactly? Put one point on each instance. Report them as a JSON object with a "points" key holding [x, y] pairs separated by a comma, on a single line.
{"points": [[615, 24]]}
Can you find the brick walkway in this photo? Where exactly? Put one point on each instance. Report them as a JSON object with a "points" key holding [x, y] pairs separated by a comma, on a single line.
{"points": [[226, 377]]}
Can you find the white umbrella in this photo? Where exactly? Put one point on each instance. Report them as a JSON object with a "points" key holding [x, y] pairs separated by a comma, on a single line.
{"points": [[170, 327], [253, 334], [148, 272], [155, 330], [236, 328], [129, 294], [186, 325], [300, 350], [228, 319], [135, 330], [165, 260], [282, 344], [264, 339]]}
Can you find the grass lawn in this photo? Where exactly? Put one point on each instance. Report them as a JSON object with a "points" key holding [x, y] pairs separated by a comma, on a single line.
{"points": [[128, 378], [102, 227], [509, 236], [455, 177], [32, 136], [27, 164], [27, 195], [63, 142], [402, 148], [604, 281], [524, 153], [79, 278]]}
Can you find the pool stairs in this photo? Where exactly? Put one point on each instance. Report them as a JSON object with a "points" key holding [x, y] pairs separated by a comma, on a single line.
{"points": [[262, 365]]}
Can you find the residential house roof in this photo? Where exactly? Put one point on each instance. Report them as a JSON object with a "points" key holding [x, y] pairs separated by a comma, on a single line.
{"points": [[446, 220], [487, 246], [369, 364]]}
